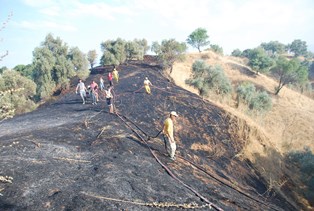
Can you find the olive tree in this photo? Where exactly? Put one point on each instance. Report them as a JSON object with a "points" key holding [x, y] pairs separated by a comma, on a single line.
{"points": [[259, 60], [113, 52], [208, 78], [134, 50], [54, 65], [16, 93], [79, 61], [91, 57], [289, 72], [236, 53], [273, 47], [198, 38], [298, 47], [169, 51]]}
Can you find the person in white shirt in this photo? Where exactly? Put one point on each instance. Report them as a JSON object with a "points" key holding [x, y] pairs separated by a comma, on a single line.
{"points": [[82, 89]]}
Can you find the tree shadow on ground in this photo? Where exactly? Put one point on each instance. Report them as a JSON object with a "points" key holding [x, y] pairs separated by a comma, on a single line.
{"points": [[303, 161], [279, 177], [244, 70]]}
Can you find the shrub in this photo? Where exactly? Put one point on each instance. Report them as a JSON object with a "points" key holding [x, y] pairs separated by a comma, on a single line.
{"points": [[255, 100], [261, 102], [217, 49], [245, 93], [208, 78]]}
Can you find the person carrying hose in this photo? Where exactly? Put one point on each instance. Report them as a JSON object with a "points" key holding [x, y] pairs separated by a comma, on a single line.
{"points": [[115, 74], [147, 84], [168, 135], [109, 97]]}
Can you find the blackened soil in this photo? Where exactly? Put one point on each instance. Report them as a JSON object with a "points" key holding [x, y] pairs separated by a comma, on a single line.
{"points": [[69, 156]]}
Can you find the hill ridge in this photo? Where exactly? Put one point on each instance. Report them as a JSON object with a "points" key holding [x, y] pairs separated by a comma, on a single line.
{"points": [[52, 167]]}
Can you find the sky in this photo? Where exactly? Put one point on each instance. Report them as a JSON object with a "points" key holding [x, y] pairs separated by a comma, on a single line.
{"points": [[231, 24]]}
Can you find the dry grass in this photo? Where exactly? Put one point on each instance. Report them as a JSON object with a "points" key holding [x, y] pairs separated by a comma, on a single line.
{"points": [[288, 126], [268, 137]]}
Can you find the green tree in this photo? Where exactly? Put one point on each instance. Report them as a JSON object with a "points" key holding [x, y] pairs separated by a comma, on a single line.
{"points": [[91, 57], [134, 50], [289, 72], [274, 47], [207, 78], [43, 62], [156, 48], [54, 64], [25, 70], [113, 52], [259, 60], [80, 62], [298, 47], [246, 53], [170, 51], [16, 93], [236, 53], [143, 43], [198, 38]]}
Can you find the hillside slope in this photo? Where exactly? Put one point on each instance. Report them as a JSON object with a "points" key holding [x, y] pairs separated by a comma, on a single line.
{"points": [[69, 156], [289, 125], [286, 129]]}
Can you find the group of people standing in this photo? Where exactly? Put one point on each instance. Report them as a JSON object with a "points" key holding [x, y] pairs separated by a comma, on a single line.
{"points": [[92, 89]]}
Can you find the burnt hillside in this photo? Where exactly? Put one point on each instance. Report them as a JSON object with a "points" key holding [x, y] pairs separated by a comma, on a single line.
{"points": [[69, 156]]}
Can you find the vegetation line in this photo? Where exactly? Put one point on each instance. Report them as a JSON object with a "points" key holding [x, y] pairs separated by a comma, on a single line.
{"points": [[153, 204], [70, 159]]}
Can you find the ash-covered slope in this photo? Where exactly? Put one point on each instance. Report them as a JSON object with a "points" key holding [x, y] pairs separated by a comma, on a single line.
{"points": [[69, 156]]}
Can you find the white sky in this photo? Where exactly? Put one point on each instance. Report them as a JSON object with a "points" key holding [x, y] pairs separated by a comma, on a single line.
{"points": [[230, 24]]}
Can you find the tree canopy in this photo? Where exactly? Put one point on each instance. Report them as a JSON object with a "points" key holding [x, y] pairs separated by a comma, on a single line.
{"points": [[54, 64], [289, 72], [119, 51], [16, 93], [208, 78], [259, 60], [169, 51], [273, 47], [298, 47], [198, 38], [91, 57]]}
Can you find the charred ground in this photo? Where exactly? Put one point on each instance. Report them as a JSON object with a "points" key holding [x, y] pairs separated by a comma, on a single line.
{"points": [[69, 156]]}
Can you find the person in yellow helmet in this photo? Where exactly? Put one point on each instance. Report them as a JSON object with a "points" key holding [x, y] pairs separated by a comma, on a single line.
{"points": [[115, 74], [146, 85], [168, 134]]}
